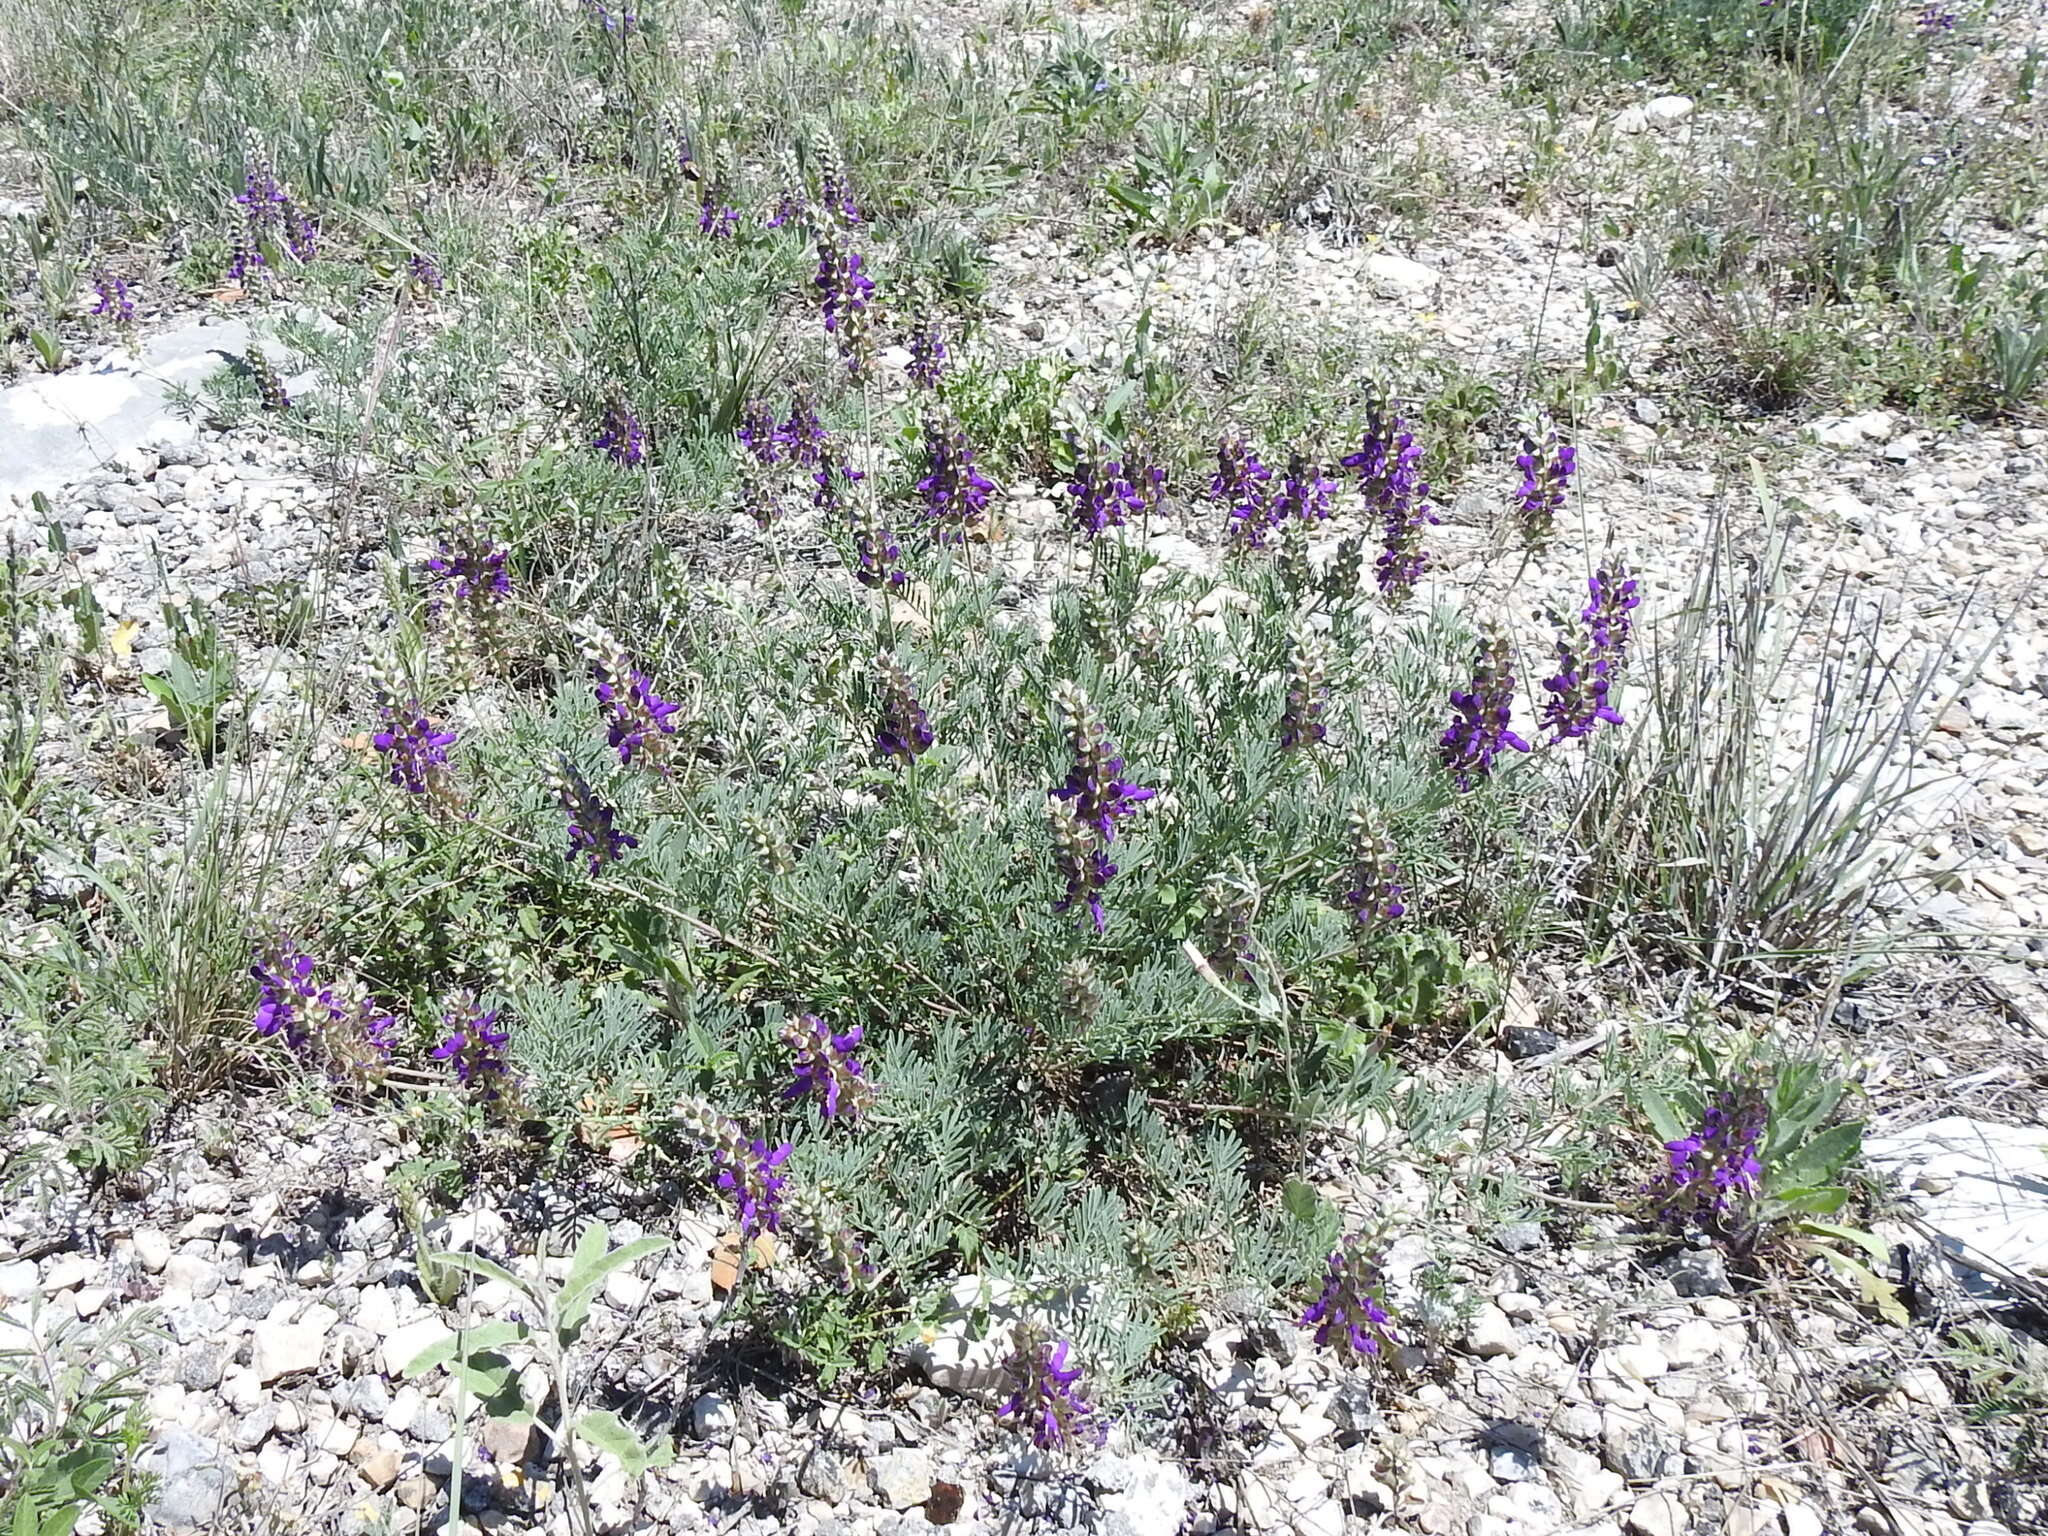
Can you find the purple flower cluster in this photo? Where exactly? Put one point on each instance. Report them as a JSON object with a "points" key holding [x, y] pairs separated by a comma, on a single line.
{"points": [[1085, 809], [330, 1026], [1370, 887], [1936, 18], [927, 355], [719, 220], [270, 390], [1349, 1316], [1589, 654], [802, 436], [748, 1168], [905, 733], [466, 576], [594, 836], [475, 1047], [835, 187], [1308, 693], [638, 721], [1304, 492], [1241, 483], [616, 23], [955, 492], [1479, 728], [620, 437], [878, 557], [1045, 1395], [423, 272], [111, 298], [272, 223], [844, 289], [1547, 469], [418, 751], [1106, 495], [1716, 1171], [1228, 906], [825, 1065], [1388, 464]]}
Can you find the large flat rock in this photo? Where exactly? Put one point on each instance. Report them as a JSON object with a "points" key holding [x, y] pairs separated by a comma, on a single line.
{"points": [[56, 427]]}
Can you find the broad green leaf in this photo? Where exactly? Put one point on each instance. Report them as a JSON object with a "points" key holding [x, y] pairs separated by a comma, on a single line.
{"points": [[587, 1278], [1823, 1156], [1871, 1244], [608, 1432], [484, 1269], [1301, 1200], [1812, 1200], [1663, 1118], [465, 1341], [1874, 1291]]}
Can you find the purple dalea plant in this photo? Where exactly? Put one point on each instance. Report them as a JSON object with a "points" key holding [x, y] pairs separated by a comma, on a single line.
{"points": [[272, 224], [1547, 469], [878, 556], [1589, 657], [1229, 905], [1305, 491], [955, 492], [423, 273], [1370, 885], [270, 390], [928, 356], [1715, 1175], [475, 1047], [1388, 464], [329, 1026], [844, 290], [1045, 1397], [415, 747], [801, 436], [1083, 811], [905, 732], [620, 436], [639, 722], [792, 197], [825, 1065], [748, 1169], [112, 299], [594, 835], [1349, 1317], [1107, 497], [1482, 715], [467, 583], [1242, 483], [1308, 692]]}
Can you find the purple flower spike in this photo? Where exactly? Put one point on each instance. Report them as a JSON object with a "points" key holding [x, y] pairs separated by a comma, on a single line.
{"points": [[475, 1047], [955, 492], [111, 298], [1479, 730], [1045, 1397], [332, 1027], [418, 752], [747, 1172], [1242, 483], [1095, 785], [594, 836], [927, 355], [1613, 596], [620, 437], [1547, 469], [717, 220], [758, 434], [272, 223], [1083, 812], [423, 272], [1370, 886], [905, 733], [1308, 693], [1349, 1317], [638, 720], [878, 558], [468, 569], [1716, 1172], [1388, 464], [825, 1065], [1305, 491], [1103, 497], [843, 292], [801, 437]]}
